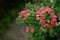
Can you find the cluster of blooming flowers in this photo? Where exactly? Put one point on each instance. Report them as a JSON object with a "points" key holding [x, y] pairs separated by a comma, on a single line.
{"points": [[27, 30], [43, 18], [39, 17], [24, 14]]}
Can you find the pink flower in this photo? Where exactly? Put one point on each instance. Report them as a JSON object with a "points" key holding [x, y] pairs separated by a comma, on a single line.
{"points": [[27, 29], [37, 13], [52, 15], [37, 18], [23, 12], [53, 23], [27, 11], [32, 30], [43, 17], [24, 18], [41, 14], [54, 19], [42, 8], [48, 10], [47, 25], [43, 21], [20, 16], [27, 14]]}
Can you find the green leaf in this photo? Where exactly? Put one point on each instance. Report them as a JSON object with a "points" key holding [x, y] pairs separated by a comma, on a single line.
{"points": [[45, 14], [18, 20], [48, 20], [51, 30], [45, 30], [36, 34], [51, 1]]}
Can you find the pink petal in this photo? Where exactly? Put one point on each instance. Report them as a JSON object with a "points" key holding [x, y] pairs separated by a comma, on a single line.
{"points": [[32, 30], [27, 11], [20, 16], [27, 29], [42, 8]]}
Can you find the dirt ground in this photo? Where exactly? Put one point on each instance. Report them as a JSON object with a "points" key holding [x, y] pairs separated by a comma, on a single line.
{"points": [[16, 33]]}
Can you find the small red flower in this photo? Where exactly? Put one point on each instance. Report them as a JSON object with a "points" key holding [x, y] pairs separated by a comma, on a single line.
{"points": [[32, 30], [20, 16], [43, 18], [47, 25], [53, 23], [24, 18], [27, 11], [43, 21], [42, 8], [41, 14], [27, 14], [27, 29], [48, 10], [37, 13], [52, 15], [54, 19], [23, 12], [37, 18]]}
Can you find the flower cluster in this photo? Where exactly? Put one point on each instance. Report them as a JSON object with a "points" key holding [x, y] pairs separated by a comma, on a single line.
{"points": [[47, 17], [24, 14], [40, 22], [27, 29]]}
